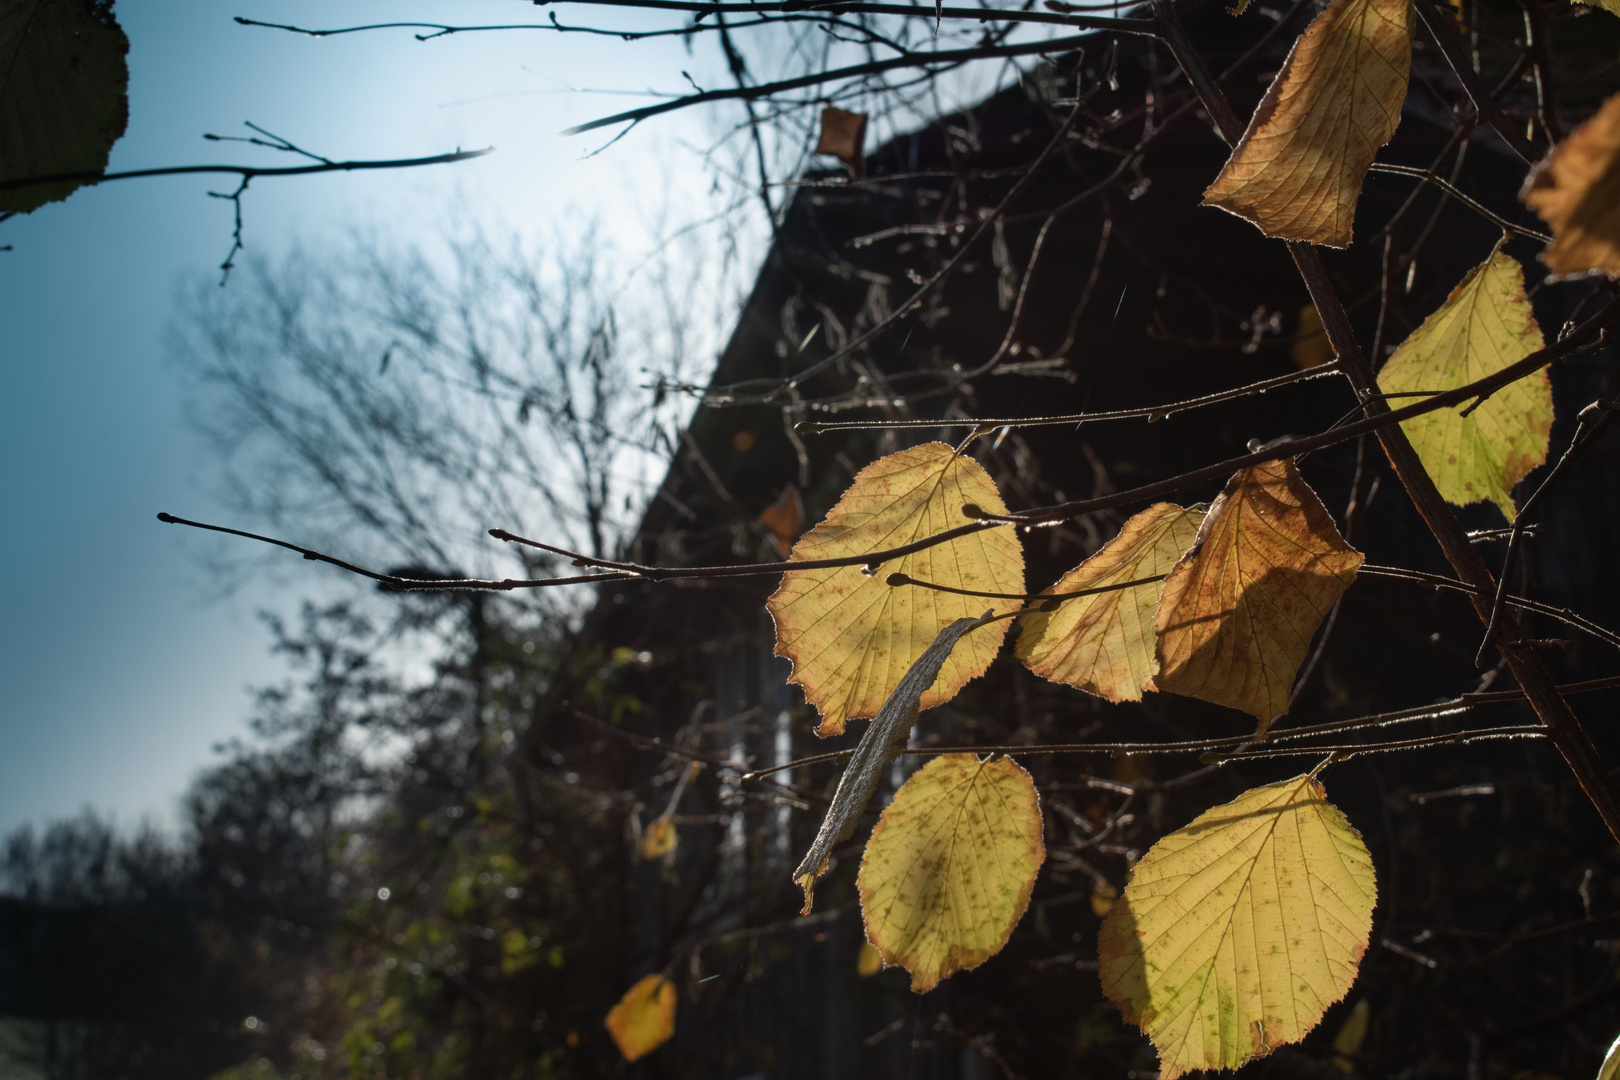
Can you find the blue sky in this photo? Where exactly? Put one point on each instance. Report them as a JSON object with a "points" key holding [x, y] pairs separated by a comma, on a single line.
{"points": [[122, 663]]}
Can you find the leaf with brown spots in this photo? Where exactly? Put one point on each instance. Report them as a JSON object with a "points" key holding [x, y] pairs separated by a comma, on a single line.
{"points": [[852, 636], [1104, 643], [948, 871], [1577, 192], [1297, 171], [1238, 931], [1485, 325], [1239, 611]]}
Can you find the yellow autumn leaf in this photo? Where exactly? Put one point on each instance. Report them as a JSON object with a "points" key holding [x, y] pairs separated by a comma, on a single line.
{"points": [[1577, 192], [869, 962], [1238, 612], [1485, 325], [644, 1019], [1103, 643], [851, 635], [658, 839], [1237, 932], [949, 868], [1297, 171]]}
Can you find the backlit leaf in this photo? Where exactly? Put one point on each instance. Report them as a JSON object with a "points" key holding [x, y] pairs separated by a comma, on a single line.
{"points": [[1607, 5], [659, 839], [1104, 644], [1239, 611], [63, 94], [1297, 171], [949, 868], [850, 635], [1237, 932], [1485, 325], [644, 1019], [1577, 192], [869, 962]]}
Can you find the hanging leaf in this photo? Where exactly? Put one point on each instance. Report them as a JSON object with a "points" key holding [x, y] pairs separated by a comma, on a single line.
{"points": [[1297, 171], [869, 962], [1577, 192], [1237, 932], [883, 739], [843, 135], [948, 871], [851, 635], [1104, 643], [1311, 347], [644, 1019], [659, 839], [1485, 325], [1239, 611], [63, 94]]}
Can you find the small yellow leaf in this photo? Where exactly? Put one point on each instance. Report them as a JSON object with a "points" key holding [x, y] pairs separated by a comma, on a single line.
{"points": [[658, 839], [1239, 611], [949, 868], [1577, 192], [1297, 171], [1103, 644], [843, 135], [1237, 932], [852, 636], [1311, 347], [1352, 1033], [1103, 895], [1485, 325], [869, 962], [644, 1019]]}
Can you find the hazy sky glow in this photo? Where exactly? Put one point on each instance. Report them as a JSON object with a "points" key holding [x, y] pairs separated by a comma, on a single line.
{"points": [[121, 662]]}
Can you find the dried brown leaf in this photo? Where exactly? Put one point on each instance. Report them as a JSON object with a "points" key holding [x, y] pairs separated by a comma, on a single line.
{"points": [[1297, 171], [1577, 192], [1239, 611]]}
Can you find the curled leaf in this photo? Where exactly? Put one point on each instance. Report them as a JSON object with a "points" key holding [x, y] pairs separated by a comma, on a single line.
{"points": [[1577, 192], [949, 869], [1298, 169], [1238, 612], [851, 635], [63, 94], [1485, 325], [883, 739], [1238, 931], [1104, 643], [644, 1019]]}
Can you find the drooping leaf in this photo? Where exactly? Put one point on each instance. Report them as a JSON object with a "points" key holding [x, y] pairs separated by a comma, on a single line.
{"points": [[644, 1019], [851, 635], [843, 135], [1104, 644], [883, 739], [1238, 612], [1237, 932], [869, 962], [1297, 171], [1577, 192], [63, 94], [949, 869], [658, 839], [1485, 325]]}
